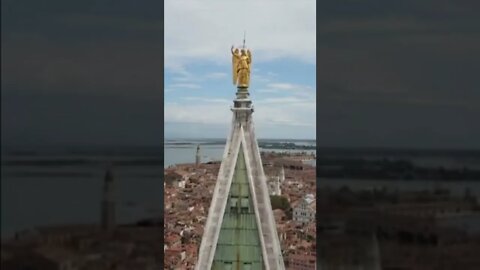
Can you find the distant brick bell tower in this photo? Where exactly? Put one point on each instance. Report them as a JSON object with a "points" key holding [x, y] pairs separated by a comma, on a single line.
{"points": [[197, 156], [108, 202]]}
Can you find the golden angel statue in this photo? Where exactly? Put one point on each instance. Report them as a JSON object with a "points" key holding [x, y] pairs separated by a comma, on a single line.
{"points": [[241, 63]]}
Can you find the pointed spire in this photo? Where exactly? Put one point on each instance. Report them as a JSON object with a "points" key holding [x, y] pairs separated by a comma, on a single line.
{"points": [[240, 229], [244, 37]]}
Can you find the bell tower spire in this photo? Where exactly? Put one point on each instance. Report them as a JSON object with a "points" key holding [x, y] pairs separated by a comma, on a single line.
{"points": [[240, 231]]}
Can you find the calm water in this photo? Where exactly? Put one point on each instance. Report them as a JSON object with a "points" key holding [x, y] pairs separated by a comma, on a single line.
{"points": [[186, 154], [175, 154], [420, 158], [37, 195], [456, 188], [42, 194], [52, 194]]}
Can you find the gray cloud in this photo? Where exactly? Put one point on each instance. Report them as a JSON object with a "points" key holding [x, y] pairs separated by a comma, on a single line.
{"points": [[204, 30], [83, 72], [398, 74]]}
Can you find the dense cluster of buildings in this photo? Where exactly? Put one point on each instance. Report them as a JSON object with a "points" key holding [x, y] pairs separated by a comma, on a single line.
{"points": [[409, 230], [188, 193], [85, 247], [106, 245]]}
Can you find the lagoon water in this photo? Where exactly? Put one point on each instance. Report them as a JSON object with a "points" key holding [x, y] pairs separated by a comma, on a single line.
{"points": [[175, 154], [45, 186], [47, 194], [186, 154], [456, 188], [37, 193]]}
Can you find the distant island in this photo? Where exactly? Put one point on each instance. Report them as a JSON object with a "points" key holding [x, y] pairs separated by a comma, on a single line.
{"points": [[286, 146]]}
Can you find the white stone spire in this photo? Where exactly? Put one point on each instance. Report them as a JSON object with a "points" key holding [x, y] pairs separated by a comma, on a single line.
{"points": [[240, 230]]}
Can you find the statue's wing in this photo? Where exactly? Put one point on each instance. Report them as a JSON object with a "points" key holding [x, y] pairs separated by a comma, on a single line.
{"points": [[234, 68], [249, 61]]}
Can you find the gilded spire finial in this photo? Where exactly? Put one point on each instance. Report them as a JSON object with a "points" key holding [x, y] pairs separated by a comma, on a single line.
{"points": [[244, 36], [241, 65]]}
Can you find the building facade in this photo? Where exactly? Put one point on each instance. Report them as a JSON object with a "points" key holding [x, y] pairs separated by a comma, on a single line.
{"points": [[305, 210]]}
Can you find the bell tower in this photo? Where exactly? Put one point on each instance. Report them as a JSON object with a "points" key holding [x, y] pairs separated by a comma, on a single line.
{"points": [[240, 231]]}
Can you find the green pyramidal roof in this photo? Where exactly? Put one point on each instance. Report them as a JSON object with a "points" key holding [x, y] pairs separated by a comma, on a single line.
{"points": [[238, 245]]}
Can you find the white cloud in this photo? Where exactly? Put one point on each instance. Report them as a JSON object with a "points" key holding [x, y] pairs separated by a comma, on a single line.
{"points": [[216, 75], [288, 100], [287, 112], [268, 90], [204, 30], [294, 90], [203, 113], [208, 100], [282, 86], [189, 77], [256, 77], [185, 85], [182, 79]]}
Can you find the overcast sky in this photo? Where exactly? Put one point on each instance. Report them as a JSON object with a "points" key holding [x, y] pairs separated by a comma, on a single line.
{"points": [[389, 73], [399, 73], [85, 72], [198, 81]]}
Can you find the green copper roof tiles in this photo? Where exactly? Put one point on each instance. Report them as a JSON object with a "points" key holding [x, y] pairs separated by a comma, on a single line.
{"points": [[238, 244]]}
